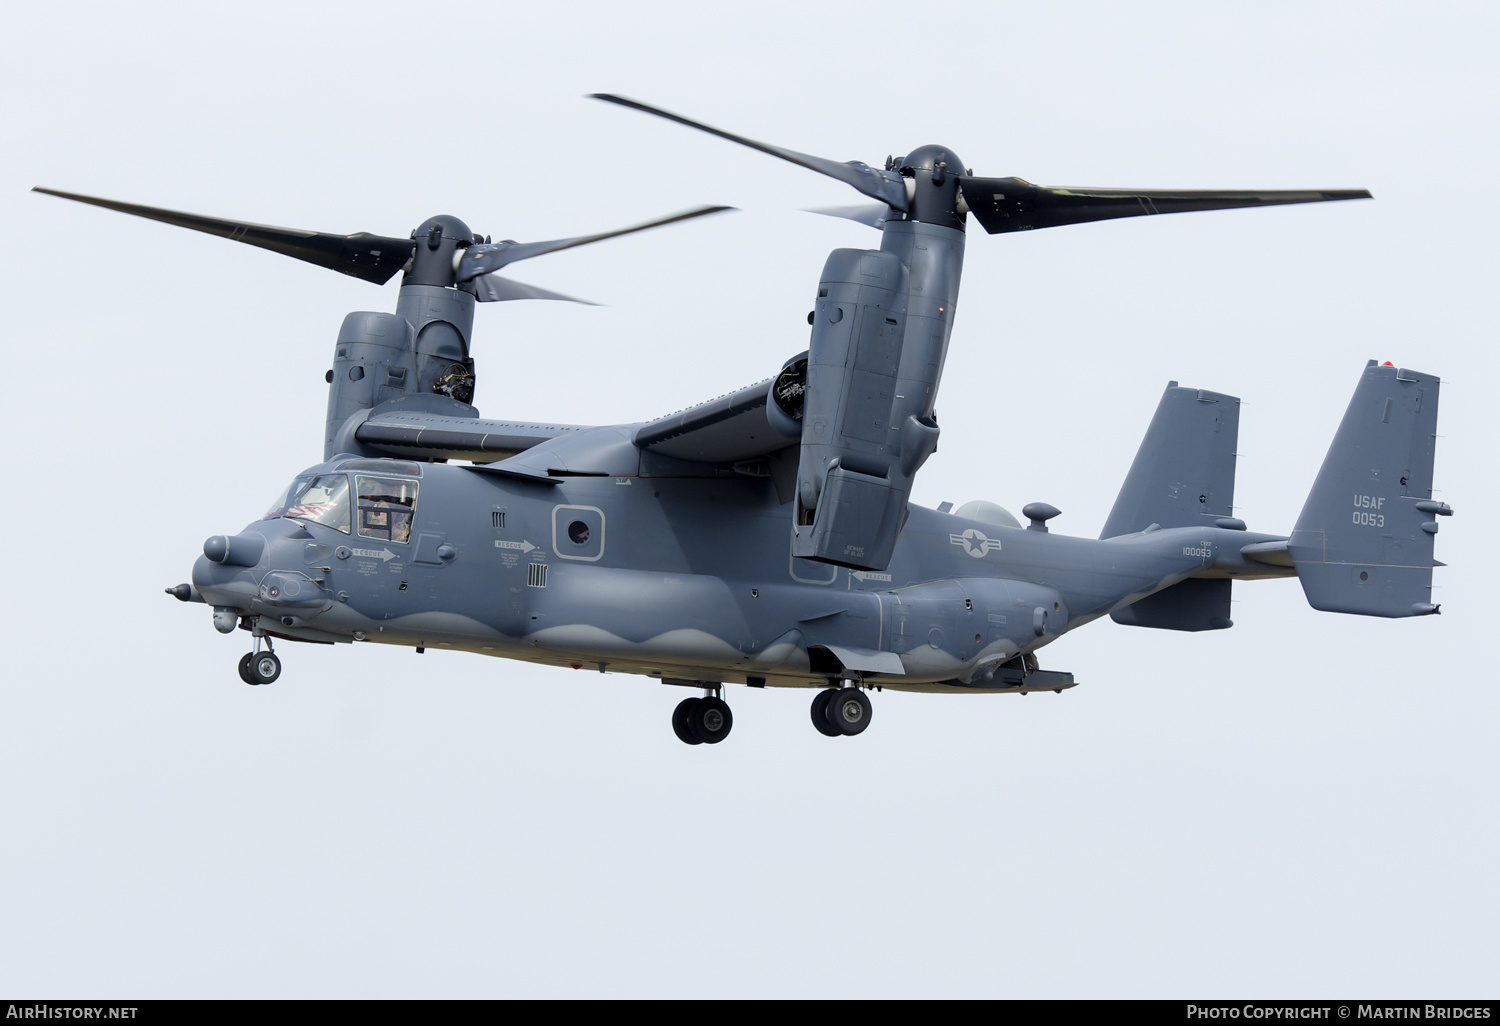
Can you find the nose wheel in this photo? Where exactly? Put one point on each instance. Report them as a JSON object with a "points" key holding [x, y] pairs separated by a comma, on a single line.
{"points": [[260, 667], [702, 721], [841, 712]]}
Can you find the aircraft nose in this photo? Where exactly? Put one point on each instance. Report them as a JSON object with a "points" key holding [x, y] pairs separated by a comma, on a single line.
{"points": [[235, 549]]}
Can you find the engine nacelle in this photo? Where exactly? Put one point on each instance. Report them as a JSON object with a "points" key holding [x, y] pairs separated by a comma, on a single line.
{"points": [[373, 360], [421, 349], [880, 333]]}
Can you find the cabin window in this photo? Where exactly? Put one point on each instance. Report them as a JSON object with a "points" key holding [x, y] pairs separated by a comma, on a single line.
{"points": [[578, 532], [386, 506]]}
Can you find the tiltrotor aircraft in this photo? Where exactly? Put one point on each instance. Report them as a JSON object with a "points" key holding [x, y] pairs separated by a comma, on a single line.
{"points": [[602, 547]]}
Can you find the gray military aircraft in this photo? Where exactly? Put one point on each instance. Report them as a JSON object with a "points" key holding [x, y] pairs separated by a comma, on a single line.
{"points": [[602, 547]]}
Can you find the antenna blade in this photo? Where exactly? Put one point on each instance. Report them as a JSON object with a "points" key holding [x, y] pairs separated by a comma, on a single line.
{"points": [[482, 259], [886, 186], [372, 258], [491, 288], [1015, 205]]}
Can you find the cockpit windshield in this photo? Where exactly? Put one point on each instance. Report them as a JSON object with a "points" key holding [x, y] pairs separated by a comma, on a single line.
{"points": [[322, 500], [292, 491]]}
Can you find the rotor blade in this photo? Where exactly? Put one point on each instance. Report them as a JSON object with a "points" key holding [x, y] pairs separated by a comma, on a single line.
{"points": [[492, 288], [491, 256], [374, 258], [873, 214], [886, 186], [1015, 205]]}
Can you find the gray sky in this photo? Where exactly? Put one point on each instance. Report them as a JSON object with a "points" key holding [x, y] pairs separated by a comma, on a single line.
{"points": [[1301, 806]]}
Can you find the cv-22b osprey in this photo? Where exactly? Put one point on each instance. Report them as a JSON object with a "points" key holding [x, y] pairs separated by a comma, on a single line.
{"points": [[426, 525]]}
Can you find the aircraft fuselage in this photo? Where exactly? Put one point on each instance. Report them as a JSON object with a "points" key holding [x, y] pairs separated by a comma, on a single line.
{"points": [[686, 580]]}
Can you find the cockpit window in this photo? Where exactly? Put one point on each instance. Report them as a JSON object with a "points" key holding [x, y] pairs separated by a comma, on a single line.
{"points": [[278, 508], [386, 506], [322, 500]]}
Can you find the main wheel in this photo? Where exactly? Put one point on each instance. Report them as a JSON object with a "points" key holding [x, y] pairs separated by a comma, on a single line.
{"points": [[680, 721], [710, 720], [245, 668], [265, 667], [820, 713], [849, 711]]}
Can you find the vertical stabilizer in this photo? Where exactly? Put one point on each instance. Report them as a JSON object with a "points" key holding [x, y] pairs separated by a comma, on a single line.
{"points": [[1364, 541], [1183, 474]]}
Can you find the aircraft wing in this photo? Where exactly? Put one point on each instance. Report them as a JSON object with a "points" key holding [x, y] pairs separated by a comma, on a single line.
{"points": [[438, 436], [720, 431], [728, 429], [724, 430]]}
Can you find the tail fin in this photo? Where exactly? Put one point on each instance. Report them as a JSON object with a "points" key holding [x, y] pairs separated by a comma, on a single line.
{"points": [[1364, 541], [1184, 470]]}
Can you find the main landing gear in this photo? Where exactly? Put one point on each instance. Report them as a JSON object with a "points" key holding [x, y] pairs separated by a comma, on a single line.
{"points": [[836, 712], [840, 712], [259, 667], [702, 721]]}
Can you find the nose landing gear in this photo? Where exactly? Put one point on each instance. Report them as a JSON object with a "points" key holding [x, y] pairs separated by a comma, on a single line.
{"points": [[259, 667], [702, 721]]}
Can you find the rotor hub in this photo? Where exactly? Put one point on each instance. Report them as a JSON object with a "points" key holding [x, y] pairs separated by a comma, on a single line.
{"points": [[438, 239], [933, 173]]}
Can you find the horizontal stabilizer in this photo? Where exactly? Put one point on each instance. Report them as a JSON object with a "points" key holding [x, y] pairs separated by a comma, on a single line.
{"points": [[1184, 469], [1364, 541], [1271, 553]]}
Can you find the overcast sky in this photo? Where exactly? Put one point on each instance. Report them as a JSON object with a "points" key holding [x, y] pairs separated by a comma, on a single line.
{"points": [[1301, 806]]}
